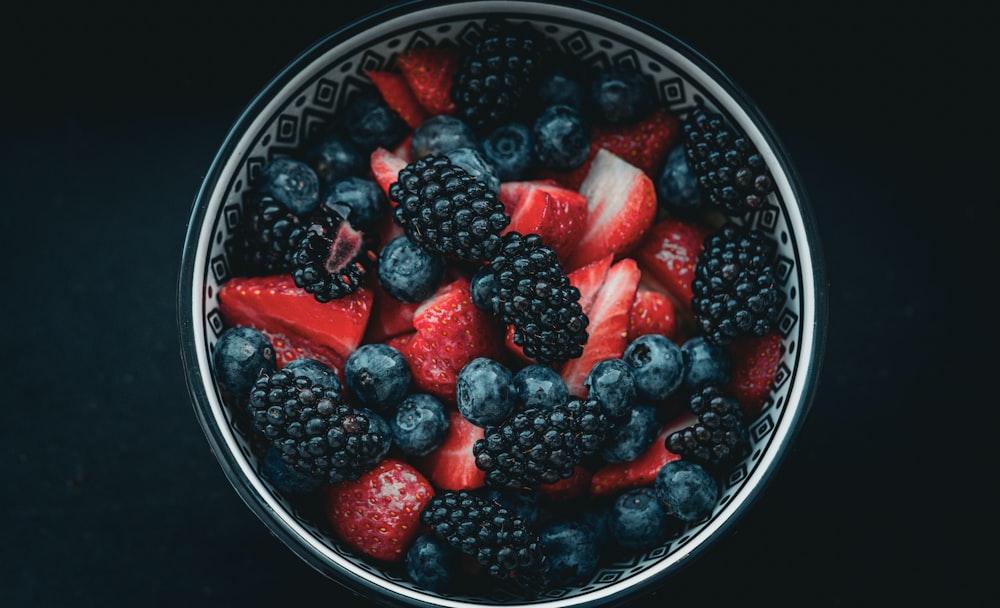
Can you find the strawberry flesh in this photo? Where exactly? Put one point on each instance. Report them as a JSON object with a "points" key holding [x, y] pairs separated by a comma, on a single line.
{"points": [[614, 478], [755, 367], [452, 466], [670, 252]]}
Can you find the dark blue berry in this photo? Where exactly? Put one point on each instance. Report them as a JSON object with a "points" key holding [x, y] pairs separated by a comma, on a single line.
{"points": [[611, 384], [562, 138], [677, 188], [572, 549], [409, 272], [439, 134], [361, 199], [241, 355], [484, 392], [378, 425], [705, 363], [370, 123], [621, 94], [476, 165], [316, 371], [286, 478], [687, 490], [334, 157], [560, 87], [523, 503], [378, 376], [291, 182], [484, 288], [419, 424], [638, 520], [657, 367], [431, 563], [510, 148], [628, 438], [540, 386]]}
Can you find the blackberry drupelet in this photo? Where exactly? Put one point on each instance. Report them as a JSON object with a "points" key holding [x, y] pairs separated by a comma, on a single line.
{"points": [[731, 172], [331, 258], [489, 86], [540, 445], [446, 210], [720, 437], [497, 537], [313, 429], [532, 292], [263, 235], [734, 288]]}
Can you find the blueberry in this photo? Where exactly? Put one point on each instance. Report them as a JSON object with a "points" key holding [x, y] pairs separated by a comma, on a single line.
{"points": [[562, 138], [657, 367], [439, 134], [241, 355], [476, 165], [316, 371], [677, 188], [483, 288], [291, 182], [638, 520], [573, 551], [378, 376], [621, 94], [523, 503], [363, 200], [286, 478], [407, 271], [431, 563], [334, 157], [484, 392], [627, 439], [370, 123], [611, 384], [686, 489], [419, 424], [510, 149], [540, 386], [706, 363], [561, 87]]}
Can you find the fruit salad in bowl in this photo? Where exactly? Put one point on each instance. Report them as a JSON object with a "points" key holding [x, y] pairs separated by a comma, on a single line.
{"points": [[500, 303]]}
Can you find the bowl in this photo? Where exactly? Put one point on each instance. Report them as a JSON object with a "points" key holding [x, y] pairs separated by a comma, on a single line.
{"points": [[304, 99]]}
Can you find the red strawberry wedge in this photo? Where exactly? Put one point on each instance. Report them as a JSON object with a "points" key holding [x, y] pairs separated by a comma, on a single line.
{"points": [[616, 477], [452, 466], [274, 305], [398, 95], [557, 214], [652, 313], [385, 166], [429, 72], [379, 513], [670, 252], [621, 206], [755, 367]]}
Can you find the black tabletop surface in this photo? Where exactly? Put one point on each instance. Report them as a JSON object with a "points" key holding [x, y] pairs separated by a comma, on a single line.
{"points": [[112, 116]]}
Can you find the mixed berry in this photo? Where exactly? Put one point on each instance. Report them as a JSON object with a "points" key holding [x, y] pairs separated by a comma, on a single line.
{"points": [[503, 320]]}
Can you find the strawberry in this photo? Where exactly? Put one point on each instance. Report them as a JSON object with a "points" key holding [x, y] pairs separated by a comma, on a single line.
{"points": [[385, 166], [452, 465], [429, 71], [274, 305], [609, 321], [669, 253], [398, 95], [379, 513], [621, 206], [390, 317], [557, 214], [755, 367], [652, 313], [616, 477], [450, 332], [567, 489]]}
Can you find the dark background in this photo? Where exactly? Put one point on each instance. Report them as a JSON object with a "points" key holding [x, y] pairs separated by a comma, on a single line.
{"points": [[113, 114]]}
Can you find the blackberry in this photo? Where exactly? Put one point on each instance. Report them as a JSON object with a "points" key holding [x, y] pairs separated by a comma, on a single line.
{"points": [[313, 429], [532, 292], [540, 445], [720, 437], [446, 210], [331, 258], [731, 172], [497, 537], [734, 288], [263, 235], [490, 82]]}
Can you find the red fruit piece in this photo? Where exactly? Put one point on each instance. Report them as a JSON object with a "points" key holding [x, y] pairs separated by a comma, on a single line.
{"points": [[557, 214], [652, 313], [452, 466], [398, 95], [429, 72], [614, 478], [390, 317], [567, 489], [386, 165], [621, 206], [609, 321], [379, 513], [755, 367], [274, 305], [669, 253]]}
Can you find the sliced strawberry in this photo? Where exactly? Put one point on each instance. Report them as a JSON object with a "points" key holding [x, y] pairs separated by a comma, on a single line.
{"points": [[379, 513], [614, 478], [572, 487], [398, 95], [452, 466], [609, 321], [621, 206], [755, 367], [274, 305], [652, 313], [669, 253], [390, 317], [429, 72], [386, 165], [557, 214]]}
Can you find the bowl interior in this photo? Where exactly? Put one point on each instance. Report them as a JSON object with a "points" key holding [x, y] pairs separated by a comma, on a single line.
{"points": [[305, 97]]}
